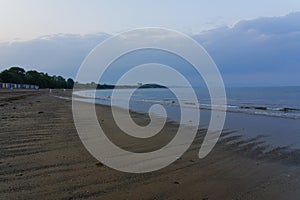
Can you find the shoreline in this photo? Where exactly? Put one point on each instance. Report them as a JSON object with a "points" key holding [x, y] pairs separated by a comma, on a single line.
{"points": [[42, 156], [242, 109], [270, 128]]}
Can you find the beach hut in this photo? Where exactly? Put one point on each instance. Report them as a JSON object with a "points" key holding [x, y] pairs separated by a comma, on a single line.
{"points": [[18, 86]]}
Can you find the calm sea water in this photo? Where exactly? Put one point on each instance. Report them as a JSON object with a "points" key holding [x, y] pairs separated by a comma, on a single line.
{"points": [[271, 113], [281, 102]]}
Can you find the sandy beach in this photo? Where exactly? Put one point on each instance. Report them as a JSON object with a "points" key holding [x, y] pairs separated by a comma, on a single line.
{"points": [[42, 157]]}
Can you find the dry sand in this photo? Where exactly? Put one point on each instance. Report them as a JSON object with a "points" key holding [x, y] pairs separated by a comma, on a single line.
{"points": [[42, 157]]}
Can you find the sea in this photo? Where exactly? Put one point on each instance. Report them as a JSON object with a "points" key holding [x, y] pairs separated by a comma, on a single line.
{"points": [[271, 114]]}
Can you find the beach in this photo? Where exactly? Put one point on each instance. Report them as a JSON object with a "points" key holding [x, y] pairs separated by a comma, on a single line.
{"points": [[42, 157]]}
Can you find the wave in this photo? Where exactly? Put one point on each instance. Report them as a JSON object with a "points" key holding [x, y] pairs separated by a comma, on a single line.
{"points": [[247, 108], [278, 109]]}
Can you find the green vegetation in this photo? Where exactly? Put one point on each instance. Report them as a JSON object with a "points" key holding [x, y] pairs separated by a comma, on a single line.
{"points": [[43, 80], [94, 85], [151, 86]]}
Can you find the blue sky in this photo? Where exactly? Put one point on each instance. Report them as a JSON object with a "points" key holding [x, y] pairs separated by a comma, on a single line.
{"points": [[23, 20]]}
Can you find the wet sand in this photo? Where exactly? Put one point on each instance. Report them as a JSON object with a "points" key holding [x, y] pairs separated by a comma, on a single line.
{"points": [[42, 157]]}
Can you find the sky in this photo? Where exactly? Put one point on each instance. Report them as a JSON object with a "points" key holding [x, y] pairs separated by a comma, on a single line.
{"points": [[253, 43], [25, 20]]}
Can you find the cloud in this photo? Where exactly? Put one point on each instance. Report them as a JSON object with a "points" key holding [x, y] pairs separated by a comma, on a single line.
{"points": [[263, 51], [55, 54], [254, 51]]}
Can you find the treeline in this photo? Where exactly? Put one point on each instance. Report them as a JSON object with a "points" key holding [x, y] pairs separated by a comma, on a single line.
{"points": [[43, 80], [94, 85]]}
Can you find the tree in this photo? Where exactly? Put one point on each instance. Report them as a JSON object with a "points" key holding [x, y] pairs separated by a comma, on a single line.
{"points": [[70, 83], [43, 80], [13, 75]]}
